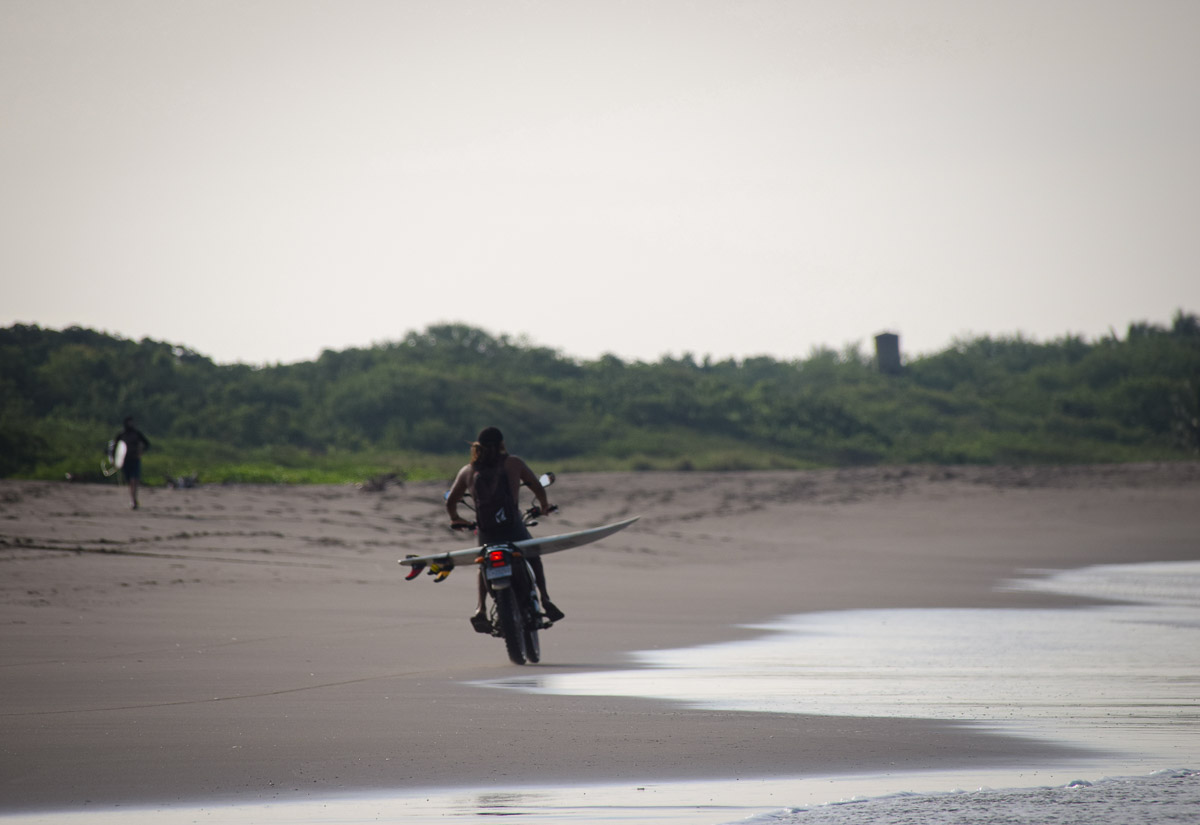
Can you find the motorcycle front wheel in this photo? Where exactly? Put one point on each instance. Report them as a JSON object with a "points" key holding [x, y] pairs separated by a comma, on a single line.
{"points": [[533, 651], [533, 620]]}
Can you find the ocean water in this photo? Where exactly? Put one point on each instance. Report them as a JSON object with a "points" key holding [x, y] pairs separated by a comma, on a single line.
{"points": [[1121, 678], [1164, 797]]}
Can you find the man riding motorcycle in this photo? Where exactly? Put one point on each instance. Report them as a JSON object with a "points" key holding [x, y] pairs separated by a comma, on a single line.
{"points": [[494, 479]]}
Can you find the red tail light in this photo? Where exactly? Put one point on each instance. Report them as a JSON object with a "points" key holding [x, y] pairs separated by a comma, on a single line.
{"points": [[496, 558]]}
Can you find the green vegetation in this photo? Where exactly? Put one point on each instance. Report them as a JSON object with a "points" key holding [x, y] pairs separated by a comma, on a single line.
{"points": [[413, 405]]}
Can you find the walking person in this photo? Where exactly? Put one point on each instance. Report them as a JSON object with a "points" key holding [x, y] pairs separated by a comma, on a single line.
{"points": [[131, 468]]}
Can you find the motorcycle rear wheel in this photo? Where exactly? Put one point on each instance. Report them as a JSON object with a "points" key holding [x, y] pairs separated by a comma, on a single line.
{"points": [[509, 614]]}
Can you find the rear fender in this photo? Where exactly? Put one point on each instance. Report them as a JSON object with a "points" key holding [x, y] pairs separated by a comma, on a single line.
{"points": [[495, 557]]}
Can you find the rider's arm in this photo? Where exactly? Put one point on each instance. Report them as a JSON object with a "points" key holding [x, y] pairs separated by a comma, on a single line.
{"points": [[530, 480], [457, 491]]}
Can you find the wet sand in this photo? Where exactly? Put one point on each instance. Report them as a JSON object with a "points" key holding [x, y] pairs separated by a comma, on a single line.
{"points": [[257, 643]]}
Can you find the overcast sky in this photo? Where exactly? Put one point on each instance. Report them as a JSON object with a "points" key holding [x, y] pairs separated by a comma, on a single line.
{"points": [[260, 180]]}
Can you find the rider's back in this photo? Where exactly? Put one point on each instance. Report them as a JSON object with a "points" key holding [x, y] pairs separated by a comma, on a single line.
{"points": [[496, 512]]}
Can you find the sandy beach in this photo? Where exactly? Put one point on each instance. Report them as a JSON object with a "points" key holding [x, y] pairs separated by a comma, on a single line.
{"points": [[259, 643]]}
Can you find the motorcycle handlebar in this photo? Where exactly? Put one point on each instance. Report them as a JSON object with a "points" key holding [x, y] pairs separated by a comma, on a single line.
{"points": [[532, 513]]}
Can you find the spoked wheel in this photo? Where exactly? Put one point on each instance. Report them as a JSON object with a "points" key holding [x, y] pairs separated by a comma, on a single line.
{"points": [[508, 612]]}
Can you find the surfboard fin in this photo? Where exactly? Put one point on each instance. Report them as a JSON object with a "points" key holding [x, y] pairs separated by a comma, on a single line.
{"points": [[441, 569], [416, 569]]}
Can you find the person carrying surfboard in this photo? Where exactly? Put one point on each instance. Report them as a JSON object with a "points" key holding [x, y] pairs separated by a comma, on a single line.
{"points": [[134, 443], [494, 479]]}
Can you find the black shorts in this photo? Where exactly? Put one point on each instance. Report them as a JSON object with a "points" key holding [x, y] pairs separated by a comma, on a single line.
{"points": [[132, 469], [517, 533]]}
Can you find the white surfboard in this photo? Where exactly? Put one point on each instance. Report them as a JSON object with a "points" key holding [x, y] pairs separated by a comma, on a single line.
{"points": [[119, 453], [546, 544]]}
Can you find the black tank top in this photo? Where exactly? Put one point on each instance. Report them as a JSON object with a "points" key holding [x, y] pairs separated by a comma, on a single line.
{"points": [[495, 510]]}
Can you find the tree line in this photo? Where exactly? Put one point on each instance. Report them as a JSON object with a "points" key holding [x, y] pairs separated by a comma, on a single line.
{"points": [[983, 400]]}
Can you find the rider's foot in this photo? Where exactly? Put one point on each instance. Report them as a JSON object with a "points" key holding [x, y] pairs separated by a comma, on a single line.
{"points": [[552, 612], [481, 623]]}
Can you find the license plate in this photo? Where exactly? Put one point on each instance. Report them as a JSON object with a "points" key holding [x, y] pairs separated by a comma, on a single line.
{"points": [[499, 572]]}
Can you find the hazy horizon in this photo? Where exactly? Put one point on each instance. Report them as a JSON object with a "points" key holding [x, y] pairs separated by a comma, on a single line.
{"points": [[260, 181], [865, 345]]}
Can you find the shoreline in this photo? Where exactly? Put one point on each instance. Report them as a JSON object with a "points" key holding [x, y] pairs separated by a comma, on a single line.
{"points": [[246, 643]]}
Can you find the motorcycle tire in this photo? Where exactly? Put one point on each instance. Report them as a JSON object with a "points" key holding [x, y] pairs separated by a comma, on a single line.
{"points": [[533, 650], [508, 612]]}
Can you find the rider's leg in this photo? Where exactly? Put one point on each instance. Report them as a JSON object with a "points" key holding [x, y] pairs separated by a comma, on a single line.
{"points": [[481, 597], [479, 619], [539, 575]]}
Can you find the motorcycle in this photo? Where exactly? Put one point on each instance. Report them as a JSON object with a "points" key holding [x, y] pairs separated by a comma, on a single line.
{"points": [[514, 611]]}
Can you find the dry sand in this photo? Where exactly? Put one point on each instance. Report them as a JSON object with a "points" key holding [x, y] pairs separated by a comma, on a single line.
{"points": [[255, 643]]}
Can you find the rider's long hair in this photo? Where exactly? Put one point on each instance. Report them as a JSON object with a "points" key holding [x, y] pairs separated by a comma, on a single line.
{"points": [[487, 455]]}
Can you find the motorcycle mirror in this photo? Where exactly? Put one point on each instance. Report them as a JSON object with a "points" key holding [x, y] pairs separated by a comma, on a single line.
{"points": [[546, 479]]}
